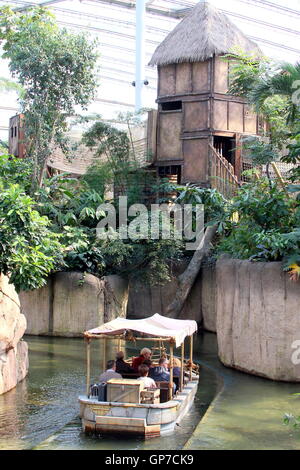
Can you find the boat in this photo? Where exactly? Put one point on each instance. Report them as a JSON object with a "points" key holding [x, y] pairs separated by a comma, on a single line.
{"points": [[131, 409]]}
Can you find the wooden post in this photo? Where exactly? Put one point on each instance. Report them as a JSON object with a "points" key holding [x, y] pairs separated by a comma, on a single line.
{"points": [[88, 366], [182, 367], [104, 355], [171, 372], [119, 344], [191, 356], [281, 181]]}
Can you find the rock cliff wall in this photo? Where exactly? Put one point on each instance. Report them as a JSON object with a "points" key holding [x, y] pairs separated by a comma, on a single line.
{"points": [[71, 303], [13, 350], [200, 305], [258, 319]]}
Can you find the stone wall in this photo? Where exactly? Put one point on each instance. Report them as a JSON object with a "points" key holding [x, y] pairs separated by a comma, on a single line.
{"points": [[71, 303], [199, 306], [258, 318], [13, 351]]}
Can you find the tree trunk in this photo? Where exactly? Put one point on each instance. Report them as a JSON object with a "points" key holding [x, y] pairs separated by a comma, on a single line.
{"points": [[187, 278]]}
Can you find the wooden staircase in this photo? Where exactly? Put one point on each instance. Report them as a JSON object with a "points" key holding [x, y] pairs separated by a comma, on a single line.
{"points": [[222, 176]]}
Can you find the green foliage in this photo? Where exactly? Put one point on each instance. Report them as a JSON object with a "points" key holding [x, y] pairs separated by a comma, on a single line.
{"points": [[245, 72], [146, 259], [292, 420], [67, 201], [57, 227], [273, 91], [29, 251], [15, 170], [265, 207], [99, 176], [260, 152], [213, 201], [56, 70], [109, 141], [266, 229], [293, 155], [117, 165], [9, 85]]}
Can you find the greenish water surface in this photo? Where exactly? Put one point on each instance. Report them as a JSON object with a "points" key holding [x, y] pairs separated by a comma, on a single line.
{"points": [[42, 411], [248, 413]]}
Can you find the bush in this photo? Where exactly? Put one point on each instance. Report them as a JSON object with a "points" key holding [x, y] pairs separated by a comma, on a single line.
{"points": [[267, 224], [29, 250]]}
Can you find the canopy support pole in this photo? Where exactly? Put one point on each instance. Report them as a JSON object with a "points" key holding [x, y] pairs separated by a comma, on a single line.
{"points": [[191, 356], [171, 372], [104, 355], [88, 366], [182, 366]]}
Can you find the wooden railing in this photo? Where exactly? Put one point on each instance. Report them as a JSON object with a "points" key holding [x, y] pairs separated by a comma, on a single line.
{"points": [[222, 176]]}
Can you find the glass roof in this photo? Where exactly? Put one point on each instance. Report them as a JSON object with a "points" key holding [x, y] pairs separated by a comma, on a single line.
{"points": [[273, 24]]}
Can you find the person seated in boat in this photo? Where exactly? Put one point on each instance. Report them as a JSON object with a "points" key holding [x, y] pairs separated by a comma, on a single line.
{"points": [[121, 366], [145, 354], [176, 372], [176, 367], [160, 373], [148, 363], [144, 371], [110, 372]]}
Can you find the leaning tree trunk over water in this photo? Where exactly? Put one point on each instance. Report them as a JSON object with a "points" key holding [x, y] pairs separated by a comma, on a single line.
{"points": [[187, 278]]}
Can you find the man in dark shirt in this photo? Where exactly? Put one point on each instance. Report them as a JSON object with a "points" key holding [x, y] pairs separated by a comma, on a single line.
{"points": [[121, 366], [160, 373]]}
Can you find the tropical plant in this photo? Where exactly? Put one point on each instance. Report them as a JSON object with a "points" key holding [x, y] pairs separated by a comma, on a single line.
{"points": [[273, 90], [118, 165], [214, 202], [29, 250], [266, 229], [15, 170]]}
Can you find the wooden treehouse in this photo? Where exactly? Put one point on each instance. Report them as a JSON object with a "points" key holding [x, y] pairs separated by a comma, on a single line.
{"points": [[16, 137], [195, 134]]}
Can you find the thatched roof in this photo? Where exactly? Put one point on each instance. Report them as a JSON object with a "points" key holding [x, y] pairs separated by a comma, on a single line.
{"points": [[78, 165], [203, 33], [84, 157]]}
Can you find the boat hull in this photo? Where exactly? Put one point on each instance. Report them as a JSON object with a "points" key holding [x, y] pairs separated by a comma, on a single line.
{"points": [[148, 420]]}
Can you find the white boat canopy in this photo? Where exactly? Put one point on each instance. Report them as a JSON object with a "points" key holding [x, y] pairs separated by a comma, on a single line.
{"points": [[156, 326]]}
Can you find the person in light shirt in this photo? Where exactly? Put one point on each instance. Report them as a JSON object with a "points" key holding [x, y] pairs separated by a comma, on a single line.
{"points": [[144, 371], [110, 372]]}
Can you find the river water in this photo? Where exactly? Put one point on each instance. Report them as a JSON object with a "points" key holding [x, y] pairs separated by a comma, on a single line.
{"points": [[42, 411]]}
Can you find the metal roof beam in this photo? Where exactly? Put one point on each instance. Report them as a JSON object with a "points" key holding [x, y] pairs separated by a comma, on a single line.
{"points": [[150, 9]]}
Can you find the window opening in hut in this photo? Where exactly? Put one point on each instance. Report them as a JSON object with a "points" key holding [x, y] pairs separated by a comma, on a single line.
{"points": [[225, 146], [171, 106], [172, 173]]}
